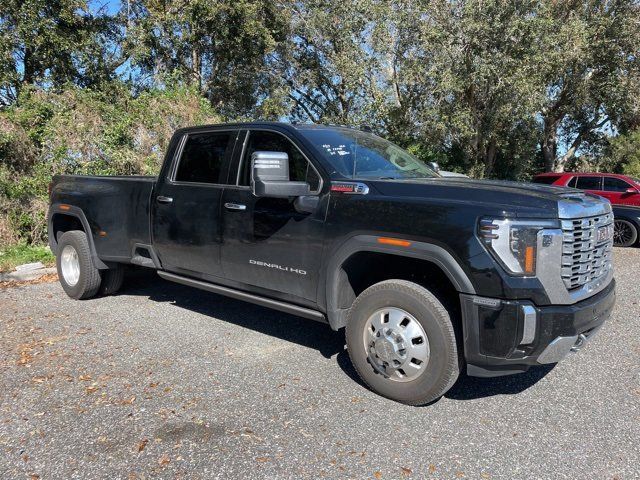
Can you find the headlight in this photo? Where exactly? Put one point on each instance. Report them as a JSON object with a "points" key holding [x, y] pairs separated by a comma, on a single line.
{"points": [[513, 243]]}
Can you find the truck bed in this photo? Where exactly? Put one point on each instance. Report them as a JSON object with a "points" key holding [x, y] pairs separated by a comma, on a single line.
{"points": [[117, 209]]}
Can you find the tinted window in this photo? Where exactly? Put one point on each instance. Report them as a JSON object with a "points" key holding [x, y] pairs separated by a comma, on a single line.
{"points": [[612, 184], [547, 179], [203, 157], [299, 168], [589, 183], [572, 182]]}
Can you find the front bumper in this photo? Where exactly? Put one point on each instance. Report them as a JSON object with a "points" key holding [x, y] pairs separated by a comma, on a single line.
{"points": [[502, 337]]}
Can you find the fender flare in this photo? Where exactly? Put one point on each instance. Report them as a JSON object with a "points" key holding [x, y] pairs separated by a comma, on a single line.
{"points": [[369, 243], [76, 212]]}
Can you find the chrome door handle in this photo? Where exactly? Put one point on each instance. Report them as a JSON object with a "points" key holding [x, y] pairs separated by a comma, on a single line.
{"points": [[235, 206], [162, 199]]}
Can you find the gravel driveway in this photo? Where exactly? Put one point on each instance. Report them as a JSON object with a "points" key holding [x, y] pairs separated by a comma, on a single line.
{"points": [[163, 381]]}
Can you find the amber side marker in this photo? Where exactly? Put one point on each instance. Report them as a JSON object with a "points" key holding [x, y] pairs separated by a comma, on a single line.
{"points": [[529, 259], [64, 207], [102, 233], [393, 241]]}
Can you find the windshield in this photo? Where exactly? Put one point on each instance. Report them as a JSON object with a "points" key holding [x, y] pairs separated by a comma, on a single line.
{"points": [[356, 154]]}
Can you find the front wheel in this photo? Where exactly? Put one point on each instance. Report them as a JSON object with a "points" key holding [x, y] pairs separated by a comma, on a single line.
{"points": [[625, 234], [402, 342]]}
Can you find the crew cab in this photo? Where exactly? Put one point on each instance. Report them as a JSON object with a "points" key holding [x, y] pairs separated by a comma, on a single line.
{"points": [[426, 275]]}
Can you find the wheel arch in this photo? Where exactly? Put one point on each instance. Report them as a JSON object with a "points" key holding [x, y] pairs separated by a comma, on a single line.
{"points": [[339, 288], [63, 218]]}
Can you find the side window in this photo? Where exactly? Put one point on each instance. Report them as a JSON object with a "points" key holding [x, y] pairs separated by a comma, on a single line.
{"points": [[589, 183], [612, 184], [300, 170], [572, 182], [203, 157]]}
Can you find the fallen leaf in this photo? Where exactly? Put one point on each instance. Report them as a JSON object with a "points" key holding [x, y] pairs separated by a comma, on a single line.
{"points": [[262, 459], [142, 444], [378, 475], [84, 378], [432, 468], [91, 389], [459, 474], [164, 460], [406, 471]]}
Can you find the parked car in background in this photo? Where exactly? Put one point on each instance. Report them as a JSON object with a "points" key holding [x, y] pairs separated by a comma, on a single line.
{"points": [[618, 189], [626, 225]]}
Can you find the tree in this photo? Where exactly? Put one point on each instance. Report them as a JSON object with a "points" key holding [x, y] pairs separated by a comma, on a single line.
{"points": [[49, 43], [589, 62], [223, 48]]}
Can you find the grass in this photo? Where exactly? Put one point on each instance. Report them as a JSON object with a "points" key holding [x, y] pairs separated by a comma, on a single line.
{"points": [[15, 255]]}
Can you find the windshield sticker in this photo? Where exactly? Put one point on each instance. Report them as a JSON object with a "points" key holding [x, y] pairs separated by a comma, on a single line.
{"points": [[338, 150]]}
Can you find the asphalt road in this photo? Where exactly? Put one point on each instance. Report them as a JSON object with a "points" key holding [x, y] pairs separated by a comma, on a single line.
{"points": [[162, 381]]}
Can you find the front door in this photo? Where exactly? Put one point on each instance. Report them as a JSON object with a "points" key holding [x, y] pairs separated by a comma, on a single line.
{"points": [[274, 243], [186, 210], [616, 190]]}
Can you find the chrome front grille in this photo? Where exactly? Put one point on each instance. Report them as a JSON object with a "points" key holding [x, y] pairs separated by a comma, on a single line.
{"points": [[586, 249]]}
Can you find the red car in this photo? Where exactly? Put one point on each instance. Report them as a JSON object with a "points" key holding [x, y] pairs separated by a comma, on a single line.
{"points": [[619, 189]]}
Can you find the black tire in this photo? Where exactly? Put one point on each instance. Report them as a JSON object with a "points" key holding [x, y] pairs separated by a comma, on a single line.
{"points": [[443, 366], [112, 280], [89, 279], [625, 233]]}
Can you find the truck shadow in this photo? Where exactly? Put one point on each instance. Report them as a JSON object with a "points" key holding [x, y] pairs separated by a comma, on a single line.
{"points": [[304, 332]]}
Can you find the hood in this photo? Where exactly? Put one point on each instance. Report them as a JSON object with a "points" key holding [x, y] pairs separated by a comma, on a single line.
{"points": [[513, 199]]}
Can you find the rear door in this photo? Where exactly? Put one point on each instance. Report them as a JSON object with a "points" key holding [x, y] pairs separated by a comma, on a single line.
{"points": [[186, 208], [272, 243]]}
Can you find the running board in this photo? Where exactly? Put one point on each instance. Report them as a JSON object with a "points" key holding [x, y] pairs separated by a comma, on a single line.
{"points": [[247, 297]]}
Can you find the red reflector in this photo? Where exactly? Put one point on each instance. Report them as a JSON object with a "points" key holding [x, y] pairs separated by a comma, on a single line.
{"points": [[394, 241], [343, 187]]}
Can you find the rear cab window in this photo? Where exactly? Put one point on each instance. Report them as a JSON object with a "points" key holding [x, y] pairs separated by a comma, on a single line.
{"points": [[204, 157]]}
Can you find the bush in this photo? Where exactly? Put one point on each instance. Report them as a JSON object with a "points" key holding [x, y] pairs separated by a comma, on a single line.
{"points": [[81, 131]]}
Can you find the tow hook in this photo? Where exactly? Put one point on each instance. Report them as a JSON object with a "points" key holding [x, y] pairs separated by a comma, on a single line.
{"points": [[582, 339]]}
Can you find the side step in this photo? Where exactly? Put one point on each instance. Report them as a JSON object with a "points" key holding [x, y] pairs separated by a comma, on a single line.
{"points": [[247, 297]]}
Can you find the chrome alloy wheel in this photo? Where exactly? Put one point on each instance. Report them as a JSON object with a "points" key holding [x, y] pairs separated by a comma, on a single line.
{"points": [[70, 265], [396, 344]]}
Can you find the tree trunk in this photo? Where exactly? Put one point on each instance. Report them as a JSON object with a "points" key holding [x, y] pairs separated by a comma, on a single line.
{"points": [[549, 145], [490, 158]]}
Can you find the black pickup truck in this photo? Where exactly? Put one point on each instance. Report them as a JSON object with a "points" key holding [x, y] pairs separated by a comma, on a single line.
{"points": [[428, 275]]}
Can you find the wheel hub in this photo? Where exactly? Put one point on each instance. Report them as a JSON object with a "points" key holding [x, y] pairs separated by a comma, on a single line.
{"points": [[396, 344], [70, 265]]}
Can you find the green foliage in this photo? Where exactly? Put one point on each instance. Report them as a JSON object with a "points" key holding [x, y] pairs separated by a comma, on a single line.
{"points": [[491, 88], [625, 153], [20, 254], [83, 131]]}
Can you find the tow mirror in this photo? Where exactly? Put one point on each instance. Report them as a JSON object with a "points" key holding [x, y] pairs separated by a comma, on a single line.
{"points": [[270, 176]]}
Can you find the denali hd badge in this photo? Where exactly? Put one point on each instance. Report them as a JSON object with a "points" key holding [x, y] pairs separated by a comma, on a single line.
{"points": [[277, 267]]}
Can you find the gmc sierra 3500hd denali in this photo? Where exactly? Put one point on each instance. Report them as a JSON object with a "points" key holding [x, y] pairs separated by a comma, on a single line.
{"points": [[426, 274]]}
